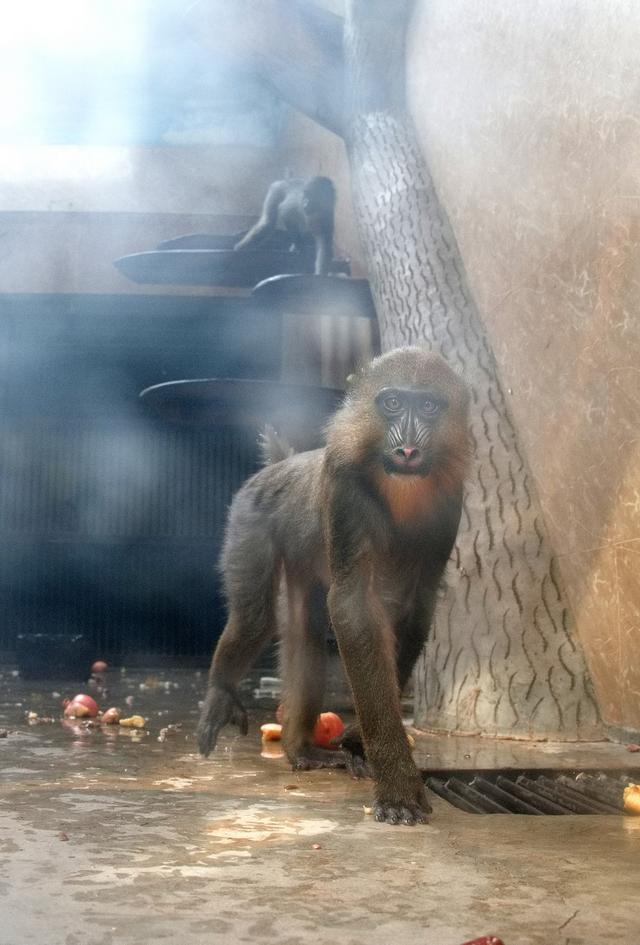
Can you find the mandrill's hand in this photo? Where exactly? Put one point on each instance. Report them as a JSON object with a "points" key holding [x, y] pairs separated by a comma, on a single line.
{"points": [[401, 803], [221, 707]]}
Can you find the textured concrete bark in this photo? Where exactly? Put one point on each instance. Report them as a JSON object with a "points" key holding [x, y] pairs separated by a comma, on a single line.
{"points": [[503, 658]]}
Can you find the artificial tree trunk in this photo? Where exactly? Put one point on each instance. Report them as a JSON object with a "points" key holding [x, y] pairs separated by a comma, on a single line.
{"points": [[503, 658]]}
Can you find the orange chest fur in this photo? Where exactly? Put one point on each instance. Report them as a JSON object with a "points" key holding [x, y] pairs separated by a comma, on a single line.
{"points": [[408, 498]]}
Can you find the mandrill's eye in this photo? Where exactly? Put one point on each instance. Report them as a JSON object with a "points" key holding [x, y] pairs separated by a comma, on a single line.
{"points": [[392, 403], [430, 407]]}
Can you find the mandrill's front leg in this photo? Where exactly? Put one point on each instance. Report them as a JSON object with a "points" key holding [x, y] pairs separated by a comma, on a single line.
{"points": [[410, 636], [366, 643]]}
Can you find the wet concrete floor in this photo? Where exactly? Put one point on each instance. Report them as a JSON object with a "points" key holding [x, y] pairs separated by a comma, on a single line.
{"points": [[114, 837]]}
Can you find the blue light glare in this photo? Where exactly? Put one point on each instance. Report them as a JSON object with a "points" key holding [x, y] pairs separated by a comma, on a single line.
{"points": [[122, 72]]}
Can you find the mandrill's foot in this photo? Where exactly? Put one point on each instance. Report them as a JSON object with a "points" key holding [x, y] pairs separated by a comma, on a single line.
{"points": [[310, 758], [221, 707], [350, 743], [401, 804]]}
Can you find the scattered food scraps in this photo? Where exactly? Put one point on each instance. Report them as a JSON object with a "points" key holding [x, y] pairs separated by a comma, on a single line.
{"points": [[79, 701], [99, 667], [76, 710], [134, 721], [328, 727], [633, 747], [34, 719], [3, 733], [316, 846], [292, 787], [632, 798], [271, 750], [63, 836], [167, 731], [111, 716]]}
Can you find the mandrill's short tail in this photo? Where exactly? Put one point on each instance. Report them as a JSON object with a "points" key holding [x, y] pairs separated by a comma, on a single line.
{"points": [[273, 447]]}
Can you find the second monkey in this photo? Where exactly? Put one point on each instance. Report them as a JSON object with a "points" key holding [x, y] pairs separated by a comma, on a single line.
{"points": [[304, 211]]}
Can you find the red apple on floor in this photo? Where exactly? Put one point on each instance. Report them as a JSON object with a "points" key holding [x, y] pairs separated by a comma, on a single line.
{"points": [[328, 727]]}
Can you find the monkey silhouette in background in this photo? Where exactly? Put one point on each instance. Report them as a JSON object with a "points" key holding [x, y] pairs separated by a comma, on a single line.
{"points": [[371, 519], [304, 210]]}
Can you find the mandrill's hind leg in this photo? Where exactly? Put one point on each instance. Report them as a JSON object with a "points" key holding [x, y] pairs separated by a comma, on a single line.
{"points": [[251, 578], [303, 658]]}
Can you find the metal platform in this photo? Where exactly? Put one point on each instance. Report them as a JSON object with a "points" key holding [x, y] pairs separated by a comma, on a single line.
{"points": [[296, 410]]}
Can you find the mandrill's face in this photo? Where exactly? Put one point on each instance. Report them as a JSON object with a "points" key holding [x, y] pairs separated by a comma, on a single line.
{"points": [[413, 418], [405, 418]]}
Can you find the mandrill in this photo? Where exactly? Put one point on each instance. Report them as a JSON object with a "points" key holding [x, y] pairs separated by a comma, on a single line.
{"points": [[357, 533], [303, 210]]}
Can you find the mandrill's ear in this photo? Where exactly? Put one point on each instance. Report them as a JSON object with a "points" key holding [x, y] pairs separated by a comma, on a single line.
{"points": [[354, 378]]}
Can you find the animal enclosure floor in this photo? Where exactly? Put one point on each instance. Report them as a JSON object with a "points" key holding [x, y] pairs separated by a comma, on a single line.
{"points": [[113, 837]]}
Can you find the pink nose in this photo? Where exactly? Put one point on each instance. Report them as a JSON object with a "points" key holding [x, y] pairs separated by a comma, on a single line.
{"points": [[409, 451]]}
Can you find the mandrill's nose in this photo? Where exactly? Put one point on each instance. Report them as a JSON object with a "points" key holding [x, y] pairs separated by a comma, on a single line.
{"points": [[409, 460], [408, 452]]}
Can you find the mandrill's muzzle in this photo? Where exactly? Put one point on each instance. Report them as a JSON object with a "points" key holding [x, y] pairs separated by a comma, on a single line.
{"points": [[408, 460]]}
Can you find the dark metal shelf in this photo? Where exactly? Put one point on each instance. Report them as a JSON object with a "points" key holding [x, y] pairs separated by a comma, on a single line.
{"points": [[309, 294], [296, 410], [200, 241], [211, 267]]}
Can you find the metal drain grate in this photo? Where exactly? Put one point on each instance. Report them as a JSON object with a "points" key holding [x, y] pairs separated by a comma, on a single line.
{"points": [[534, 792]]}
